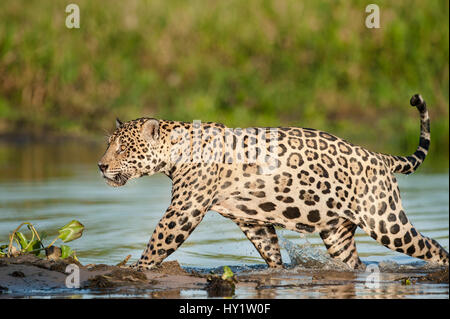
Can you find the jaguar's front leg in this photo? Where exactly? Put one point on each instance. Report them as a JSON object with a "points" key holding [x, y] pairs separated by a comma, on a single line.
{"points": [[265, 240], [172, 230]]}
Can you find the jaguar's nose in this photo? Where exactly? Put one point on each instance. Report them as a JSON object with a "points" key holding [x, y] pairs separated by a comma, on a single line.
{"points": [[102, 167]]}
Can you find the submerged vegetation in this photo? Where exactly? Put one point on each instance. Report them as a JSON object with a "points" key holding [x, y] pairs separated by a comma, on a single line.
{"points": [[243, 63]]}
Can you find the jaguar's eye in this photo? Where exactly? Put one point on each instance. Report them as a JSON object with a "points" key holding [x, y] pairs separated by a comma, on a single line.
{"points": [[121, 149]]}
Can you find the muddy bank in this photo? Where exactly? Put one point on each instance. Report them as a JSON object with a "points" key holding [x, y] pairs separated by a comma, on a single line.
{"points": [[29, 276]]}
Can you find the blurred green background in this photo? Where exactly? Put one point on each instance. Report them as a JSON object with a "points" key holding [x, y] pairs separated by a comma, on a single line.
{"points": [[242, 63]]}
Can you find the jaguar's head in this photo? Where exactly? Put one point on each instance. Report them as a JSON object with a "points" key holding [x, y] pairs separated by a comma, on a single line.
{"points": [[134, 150]]}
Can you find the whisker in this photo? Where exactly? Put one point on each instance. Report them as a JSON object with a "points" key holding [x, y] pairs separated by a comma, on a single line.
{"points": [[108, 134]]}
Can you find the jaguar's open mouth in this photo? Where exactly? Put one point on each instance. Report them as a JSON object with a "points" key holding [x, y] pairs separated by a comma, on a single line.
{"points": [[117, 180]]}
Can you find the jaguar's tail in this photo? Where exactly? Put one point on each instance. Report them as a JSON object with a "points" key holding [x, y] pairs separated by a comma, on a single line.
{"points": [[408, 164]]}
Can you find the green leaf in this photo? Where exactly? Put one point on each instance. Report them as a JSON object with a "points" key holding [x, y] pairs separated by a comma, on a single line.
{"points": [[66, 251], [34, 245], [23, 241], [26, 245], [227, 273], [43, 235], [3, 247], [71, 231]]}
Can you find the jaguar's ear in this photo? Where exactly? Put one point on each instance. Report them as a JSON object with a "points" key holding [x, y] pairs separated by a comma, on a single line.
{"points": [[118, 123], [150, 130]]}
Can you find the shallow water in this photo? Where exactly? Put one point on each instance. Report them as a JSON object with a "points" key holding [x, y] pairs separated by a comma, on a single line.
{"points": [[49, 185]]}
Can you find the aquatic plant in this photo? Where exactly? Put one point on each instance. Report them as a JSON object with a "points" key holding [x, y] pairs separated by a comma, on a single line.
{"points": [[19, 243], [221, 286]]}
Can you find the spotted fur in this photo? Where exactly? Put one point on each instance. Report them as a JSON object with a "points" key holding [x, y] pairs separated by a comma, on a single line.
{"points": [[317, 182]]}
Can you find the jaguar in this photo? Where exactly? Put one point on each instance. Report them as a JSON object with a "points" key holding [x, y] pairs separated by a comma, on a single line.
{"points": [[299, 179]]}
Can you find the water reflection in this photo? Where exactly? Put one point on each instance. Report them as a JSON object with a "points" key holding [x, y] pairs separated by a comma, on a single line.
{"points": [[37, 162]]}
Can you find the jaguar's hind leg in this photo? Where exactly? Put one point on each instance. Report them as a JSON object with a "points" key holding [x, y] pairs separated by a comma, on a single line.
{"points": [[387, 223], [265, 240], [340, 243], [398, 234]]}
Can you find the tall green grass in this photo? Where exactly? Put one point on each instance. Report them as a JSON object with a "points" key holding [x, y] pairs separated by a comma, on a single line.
{"points": [[243, 63]]}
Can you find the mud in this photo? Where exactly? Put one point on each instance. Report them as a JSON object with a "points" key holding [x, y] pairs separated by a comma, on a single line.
{"points": [[440, 276], [28, 276]]}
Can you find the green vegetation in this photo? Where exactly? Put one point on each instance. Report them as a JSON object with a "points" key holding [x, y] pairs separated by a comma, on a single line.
{"points": [[221, 286], [242, 63], [227, 273], [34, 245]]}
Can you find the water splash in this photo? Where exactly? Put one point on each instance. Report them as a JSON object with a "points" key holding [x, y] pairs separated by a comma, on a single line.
{"points": [[307, 256]]}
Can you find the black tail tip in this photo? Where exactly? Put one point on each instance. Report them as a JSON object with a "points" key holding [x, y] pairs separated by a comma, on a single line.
{"points": [[417, 101]]}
